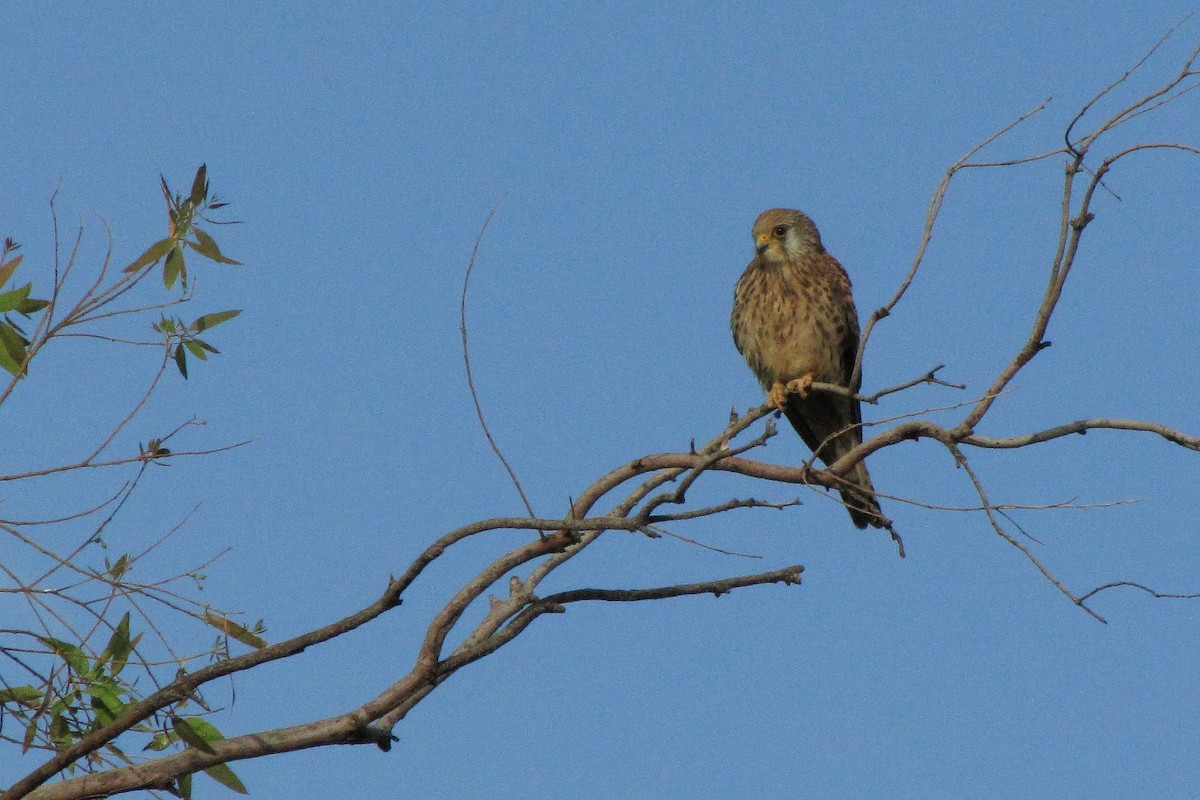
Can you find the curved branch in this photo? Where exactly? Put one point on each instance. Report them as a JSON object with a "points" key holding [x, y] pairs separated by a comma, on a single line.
{"points": [[512, 474], [1082, 426], [931, 216], [1133, 585]]}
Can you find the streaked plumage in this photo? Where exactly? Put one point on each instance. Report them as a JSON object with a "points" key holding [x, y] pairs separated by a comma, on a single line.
{"points": [[794, 321]]}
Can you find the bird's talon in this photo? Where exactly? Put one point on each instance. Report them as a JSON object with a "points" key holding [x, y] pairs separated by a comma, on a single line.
{"points": [[778, 395], [801, 386]]}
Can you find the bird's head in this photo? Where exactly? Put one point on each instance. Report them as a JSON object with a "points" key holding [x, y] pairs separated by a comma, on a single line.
{"points": [[782, 234]]}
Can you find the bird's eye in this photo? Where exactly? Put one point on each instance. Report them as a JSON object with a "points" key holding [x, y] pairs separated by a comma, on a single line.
{"points": [[781, 231]]}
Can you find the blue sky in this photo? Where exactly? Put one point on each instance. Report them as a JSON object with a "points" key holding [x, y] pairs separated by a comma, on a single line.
{"points": [[634, 144]]}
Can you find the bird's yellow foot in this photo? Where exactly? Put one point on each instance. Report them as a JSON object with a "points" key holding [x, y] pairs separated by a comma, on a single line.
{"points": [[801, 386], [778, 395], [779, 390]]}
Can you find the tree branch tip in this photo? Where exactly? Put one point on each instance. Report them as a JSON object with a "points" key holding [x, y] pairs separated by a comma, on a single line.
{"points": [[896, 538], [1091, 613], [383, 738], [791, 577]]}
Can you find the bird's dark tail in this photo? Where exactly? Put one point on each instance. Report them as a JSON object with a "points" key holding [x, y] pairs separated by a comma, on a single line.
{"points": [[859, 497], [829, 426]]}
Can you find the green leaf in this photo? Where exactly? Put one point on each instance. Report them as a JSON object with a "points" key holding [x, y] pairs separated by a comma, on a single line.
{"points": [[166, 190], [213, 320], [7, 269], [118, 646], [32, 306], [223, 775], [206, 246], [107, 701], [12, 349], [231, 628], [200, 186], [190, 731], [152, 254], [115, 571], [12, 299], [206, 729], [181, 361], [118, 664], [195, 347], [174, 268], [30, 732], [184, 785], [58, 728], [161, 741], [71, 653], [26, 696]]}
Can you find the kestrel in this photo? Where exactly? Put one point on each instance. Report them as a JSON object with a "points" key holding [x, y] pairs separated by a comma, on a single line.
{"points": [[794, 320]]}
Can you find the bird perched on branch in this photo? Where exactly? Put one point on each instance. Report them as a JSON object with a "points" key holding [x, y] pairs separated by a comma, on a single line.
{"points": [[794, 321]]}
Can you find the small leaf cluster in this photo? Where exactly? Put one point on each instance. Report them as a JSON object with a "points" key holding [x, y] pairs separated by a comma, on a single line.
{"points": [[14, 344], [186, 338], [90, 694], [72, 690], [198, 733], [182, 213]]}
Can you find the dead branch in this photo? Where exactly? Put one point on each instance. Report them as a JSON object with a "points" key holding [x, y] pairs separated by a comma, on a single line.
{"points": [[512, 602]]}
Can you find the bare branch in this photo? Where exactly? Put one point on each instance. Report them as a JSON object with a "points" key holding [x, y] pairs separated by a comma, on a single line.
{"points": [[787, 575], [1006, 536], [929, 377], [1133, 585], [467, 360], [718, 509], [655, 532], [934, 210], [1082, 426]]}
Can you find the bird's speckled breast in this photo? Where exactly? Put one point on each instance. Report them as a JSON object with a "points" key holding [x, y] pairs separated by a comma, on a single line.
{"points": [[780, 324]]}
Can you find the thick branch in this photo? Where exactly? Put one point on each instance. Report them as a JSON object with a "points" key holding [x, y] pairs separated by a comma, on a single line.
{"points": [[787, 575]]}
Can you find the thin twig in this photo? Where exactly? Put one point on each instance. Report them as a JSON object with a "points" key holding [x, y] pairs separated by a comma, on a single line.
{"points": [[512, 474]]}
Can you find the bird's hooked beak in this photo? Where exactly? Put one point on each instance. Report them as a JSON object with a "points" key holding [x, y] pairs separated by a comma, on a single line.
{"points": [[761, 243]]}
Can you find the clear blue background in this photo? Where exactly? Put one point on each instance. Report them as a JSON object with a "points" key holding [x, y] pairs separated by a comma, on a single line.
{"points": [[364, 144]]}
